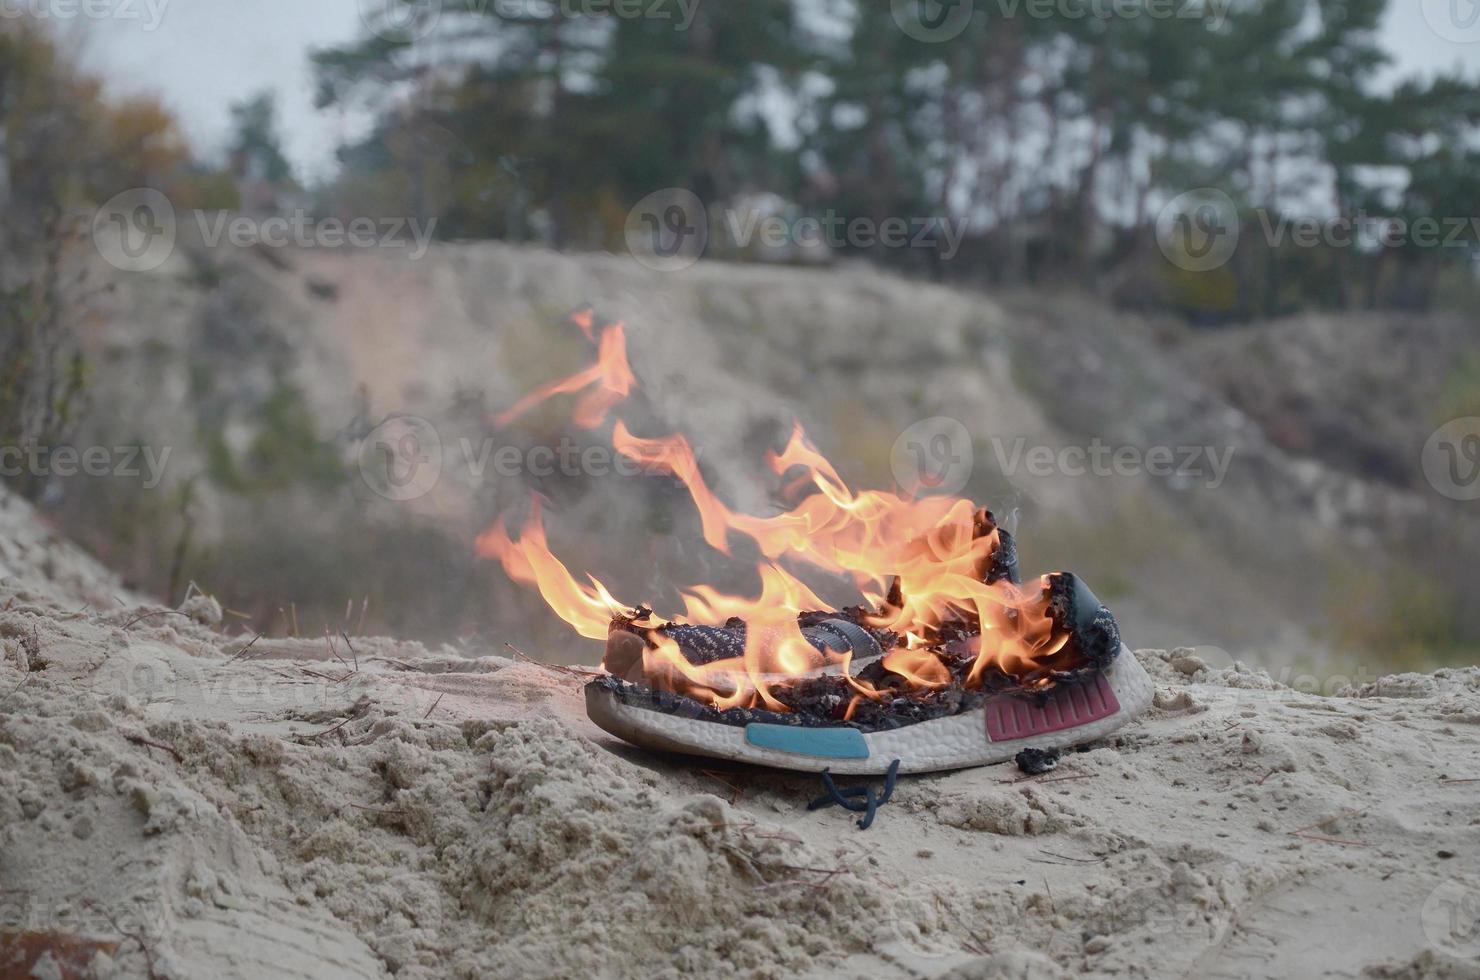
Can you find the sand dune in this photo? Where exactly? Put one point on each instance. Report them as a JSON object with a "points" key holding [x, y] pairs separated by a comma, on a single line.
{"points": [[189, 805]]}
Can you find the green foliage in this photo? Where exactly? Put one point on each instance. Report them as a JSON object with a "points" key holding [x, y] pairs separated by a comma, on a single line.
{"points": [[256, 147], [1416, 620], [285, 450], [42, 372], [64, 145], [65, 142], [199, 188], [1460, 395], [571, 117], [1059, 137]]}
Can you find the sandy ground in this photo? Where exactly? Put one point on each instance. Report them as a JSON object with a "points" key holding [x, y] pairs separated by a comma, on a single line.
{"points": [[173, 801]]}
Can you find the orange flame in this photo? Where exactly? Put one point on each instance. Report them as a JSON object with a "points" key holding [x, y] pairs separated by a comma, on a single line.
{"points": [[587, 608], [929, 556], [610, 380]]}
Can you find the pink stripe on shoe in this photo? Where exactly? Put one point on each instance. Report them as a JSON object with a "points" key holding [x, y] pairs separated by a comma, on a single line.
{"points": [[1010, 718]]}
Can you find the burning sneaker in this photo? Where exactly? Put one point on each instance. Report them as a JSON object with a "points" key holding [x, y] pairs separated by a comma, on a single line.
{"points": [[948, 661], [857, 709]]}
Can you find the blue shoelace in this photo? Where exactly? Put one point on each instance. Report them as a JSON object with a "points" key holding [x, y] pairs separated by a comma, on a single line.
{"points": [[847, 798]]}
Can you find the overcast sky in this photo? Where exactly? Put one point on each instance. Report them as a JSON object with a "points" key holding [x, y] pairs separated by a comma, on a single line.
{"points": [[205, 54]]}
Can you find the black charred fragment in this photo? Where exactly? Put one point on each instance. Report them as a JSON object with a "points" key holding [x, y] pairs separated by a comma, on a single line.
{"points": [[707, 644], [1005, 561], [1036, 762], [820, 702], [1094, 636], [1004, 566]]}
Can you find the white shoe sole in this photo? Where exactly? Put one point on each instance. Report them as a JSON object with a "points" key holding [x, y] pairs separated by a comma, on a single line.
{"points": [[994, 732]]}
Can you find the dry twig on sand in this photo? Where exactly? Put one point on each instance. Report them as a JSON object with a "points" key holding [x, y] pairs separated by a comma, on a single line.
{"points": [[325, 677], [1303, 832], [970, 945], [736, 792], [29, 651], [150, 615], [581, 672], [16, 690], [335, 651], [135, 936], [1076, 860], [398, 664], [1332, 840], [243, 651], [149, 743], [356, 711]]}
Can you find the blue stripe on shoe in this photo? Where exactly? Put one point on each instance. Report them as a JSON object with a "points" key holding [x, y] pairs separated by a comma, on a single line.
{"points": [[824, 743]]}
